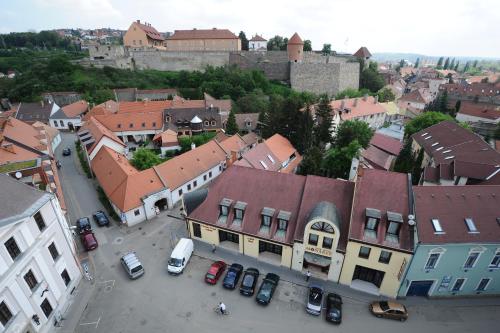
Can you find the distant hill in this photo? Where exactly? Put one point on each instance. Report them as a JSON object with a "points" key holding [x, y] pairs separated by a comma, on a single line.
{"points": [[412, 57]]}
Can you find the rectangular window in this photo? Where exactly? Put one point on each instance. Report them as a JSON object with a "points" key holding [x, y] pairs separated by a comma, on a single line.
{"points": [[131, 125], [61, 123], [210, 174], [65, 277], [224, 211], [437, 226], [483, 284], [204, 178], [46, 308], [189, 187], [495, 263], [385, 257], [393, 228], [55, 123], [471, 226], [471, 260], [220, 167], [195, 183], [458, 284], [327, 242], [270, 247], [228, 236], [53, 251], [154, 123], [313, 239], [137, 212], [266, 221], [238, 214], [30, 280], [5, 314], [364, 252], [371, 224], [180, 192], [196, 230], [119, 125], [39, 221], [432, 261], [143, 124], [12, 248], [282, 224]]}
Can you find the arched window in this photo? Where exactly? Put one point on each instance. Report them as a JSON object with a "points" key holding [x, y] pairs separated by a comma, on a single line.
{"points": [[323, 226]]}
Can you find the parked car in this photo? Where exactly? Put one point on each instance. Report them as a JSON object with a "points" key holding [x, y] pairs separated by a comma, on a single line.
{"points": [[88, 240], [267, 288], [232, 276], [249, 281], [314, 300], [83, 224], [100, 218], [388, 309], [66, 151], [333, 308], [132, 265], [215, 271], [180, 256]]}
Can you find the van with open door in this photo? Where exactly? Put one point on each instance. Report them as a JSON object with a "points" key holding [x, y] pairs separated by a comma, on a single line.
{"points": [[180, 256]]}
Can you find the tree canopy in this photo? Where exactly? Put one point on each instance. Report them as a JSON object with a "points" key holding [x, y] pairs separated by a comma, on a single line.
{"points": [[244, 41], [371, 78], [231, 126], [307, 45], [385, 95], [323, 132], [424, 120], [327, 49], [277, 43], [144, 159], [351, 130]]}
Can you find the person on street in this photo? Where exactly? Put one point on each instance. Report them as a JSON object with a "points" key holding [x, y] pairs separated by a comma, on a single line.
{"points": [[308, 275], [222, 308], [213, 248]]}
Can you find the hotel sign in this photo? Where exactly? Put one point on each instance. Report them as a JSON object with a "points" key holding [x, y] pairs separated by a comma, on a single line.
{"points": [[208, 228], [402, 269], [318, 250]]}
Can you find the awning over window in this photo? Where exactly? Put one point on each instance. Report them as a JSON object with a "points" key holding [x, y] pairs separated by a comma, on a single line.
{"points": [[284, 215], [240, 205], [372, 212], [268, 211], [394, 217], [226, 202], [316, 259]]}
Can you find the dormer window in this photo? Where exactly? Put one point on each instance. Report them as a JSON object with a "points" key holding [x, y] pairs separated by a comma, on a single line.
{"points": [[213, 123], [323, 226], [239, 213], [131, 125], [168, 119], [395, 221], [437, 226], [206, 123], [283, 219], [267, 215], [224, 210], [372, 219], [119, 125], [471, 227]]}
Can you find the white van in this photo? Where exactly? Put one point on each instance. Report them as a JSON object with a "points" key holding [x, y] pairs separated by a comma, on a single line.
{"points": [[132, 265], [180, 256]]}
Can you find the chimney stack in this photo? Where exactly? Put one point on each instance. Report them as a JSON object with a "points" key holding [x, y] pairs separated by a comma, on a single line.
{"points": [[365, 97], [355, 102], [375, 99], [138, 21]]}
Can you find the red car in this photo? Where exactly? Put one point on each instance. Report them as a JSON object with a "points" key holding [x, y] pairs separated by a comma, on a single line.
{"points": [[215, 271], [89, 241]]}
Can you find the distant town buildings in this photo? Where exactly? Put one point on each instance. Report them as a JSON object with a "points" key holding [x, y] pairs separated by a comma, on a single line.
{"points": [[257, 43]]}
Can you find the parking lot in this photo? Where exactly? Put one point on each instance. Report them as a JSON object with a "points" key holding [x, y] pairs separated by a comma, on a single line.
{"points": [[159, 302]]}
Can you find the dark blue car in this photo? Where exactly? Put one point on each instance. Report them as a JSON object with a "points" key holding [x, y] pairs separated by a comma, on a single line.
{"points": [[232, 276]]}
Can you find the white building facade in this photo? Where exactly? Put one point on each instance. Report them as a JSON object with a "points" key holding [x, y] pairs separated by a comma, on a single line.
{"points": [[38, 264]]}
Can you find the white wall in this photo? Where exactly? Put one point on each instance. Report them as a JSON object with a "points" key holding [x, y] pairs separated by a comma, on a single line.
{"points": [[56, 123], [55, 142], [216, 171], [255, 45], [14, 291], [105, 141]]}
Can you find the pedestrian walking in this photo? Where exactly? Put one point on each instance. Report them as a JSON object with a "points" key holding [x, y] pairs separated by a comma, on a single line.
{"points": [[308, 275], [213, 248]]}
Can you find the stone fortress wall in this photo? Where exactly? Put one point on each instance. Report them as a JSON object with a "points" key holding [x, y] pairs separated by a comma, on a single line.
{"points": [[315, 73]]}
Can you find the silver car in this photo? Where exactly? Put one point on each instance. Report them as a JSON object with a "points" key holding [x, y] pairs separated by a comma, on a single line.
{"points": [[314, 300]]}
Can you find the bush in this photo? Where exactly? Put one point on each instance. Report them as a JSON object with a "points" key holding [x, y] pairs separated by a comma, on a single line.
{"points": [[107, 205], [83, 159]]}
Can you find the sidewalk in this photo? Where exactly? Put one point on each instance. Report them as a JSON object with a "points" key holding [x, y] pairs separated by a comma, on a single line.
{"points": [[204, 250]]}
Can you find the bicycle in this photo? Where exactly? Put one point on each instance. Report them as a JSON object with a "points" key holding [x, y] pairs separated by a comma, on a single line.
{"points": [[217, 310]]}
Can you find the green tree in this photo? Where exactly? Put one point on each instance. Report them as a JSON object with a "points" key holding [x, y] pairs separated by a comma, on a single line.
{"points": [[353, 130], [371, 79], [311, 162], [337, 162], [385, 95], [456, 66], [244, 41], [424, 120], [417, 167], [440, 63], [446, 63], [496, 134], [466, 67], [254, 102], [144, 159], [405, 162], [327, 49], [452, 64], [322, 131], [307, 45], [352, 93], [474, 64], [305, 130], [417, 63], [231, 126], [276, 43], [402, 63]]}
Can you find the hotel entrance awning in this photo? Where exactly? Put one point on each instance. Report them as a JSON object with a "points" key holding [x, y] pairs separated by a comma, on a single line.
{"points": [[317, 260]]}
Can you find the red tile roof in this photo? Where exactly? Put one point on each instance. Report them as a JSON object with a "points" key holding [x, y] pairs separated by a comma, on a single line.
{"points": [[377, 158], [451, 205], [420, 95], [363, 107], [295, 40], [480, 110], [386, 143], [97, 131], [472, 90], [257, 38], [372, 191], [362, 53], [202, 34], [75, 109], [150, 31], [139, 121]]}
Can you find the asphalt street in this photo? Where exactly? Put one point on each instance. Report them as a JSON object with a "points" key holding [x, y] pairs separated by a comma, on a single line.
{"points": [[158, 302]]}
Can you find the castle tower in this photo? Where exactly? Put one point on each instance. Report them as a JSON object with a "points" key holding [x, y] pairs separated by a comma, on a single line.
{"points": [[295, 48]]}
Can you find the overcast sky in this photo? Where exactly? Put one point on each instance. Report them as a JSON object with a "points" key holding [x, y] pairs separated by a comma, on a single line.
{"points": [[431, 27]]}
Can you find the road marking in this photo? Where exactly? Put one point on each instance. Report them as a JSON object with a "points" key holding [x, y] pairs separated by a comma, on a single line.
{"points": [[96, 323]]}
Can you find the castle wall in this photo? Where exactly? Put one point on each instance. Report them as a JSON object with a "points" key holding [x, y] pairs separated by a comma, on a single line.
{"points": [[274, 64], [177, 61]]}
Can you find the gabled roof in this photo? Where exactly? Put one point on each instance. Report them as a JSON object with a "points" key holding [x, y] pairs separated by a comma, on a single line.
{"points": [[362, 53], [420, 95], [257, 38], [185, 167], [75, 109], [295, 40], [365, 106], [233, 143], [280, 147], [202, 34], [260, 157], [386, 143], [150, 31], [138, 121], [451, 205], [97, 131], [377, 158], [480, 110], [252, 138], [24, 133], [32, 112]]}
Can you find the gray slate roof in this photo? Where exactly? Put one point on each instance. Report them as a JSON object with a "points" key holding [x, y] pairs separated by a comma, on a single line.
{"points": [[18, 200], [327, 211]]}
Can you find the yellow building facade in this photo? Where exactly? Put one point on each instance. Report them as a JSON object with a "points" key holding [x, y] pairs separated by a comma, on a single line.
{"points": [[387, 276]]}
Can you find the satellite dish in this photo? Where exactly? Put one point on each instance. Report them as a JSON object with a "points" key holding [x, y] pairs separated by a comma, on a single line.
{"points": [[18, 175], [411, 217], [411, 222]]}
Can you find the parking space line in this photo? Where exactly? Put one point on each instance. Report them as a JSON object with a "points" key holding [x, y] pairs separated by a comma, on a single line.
{"points": [[96, 323]]}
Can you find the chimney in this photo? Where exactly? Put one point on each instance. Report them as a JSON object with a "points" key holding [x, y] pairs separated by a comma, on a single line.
{"points": [[193, 146], [365, 97], [138, 21], [355, 102], [375, 99]]}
